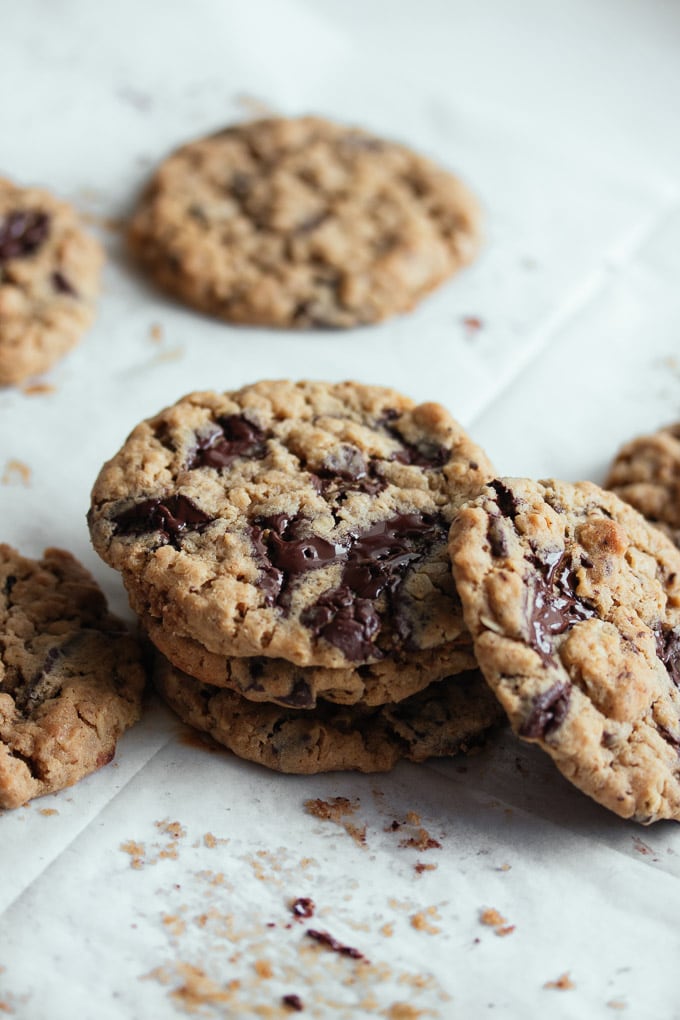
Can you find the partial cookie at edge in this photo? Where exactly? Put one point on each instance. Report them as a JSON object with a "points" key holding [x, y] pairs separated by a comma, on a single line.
{"points": [[646, 474], [573, 601]]}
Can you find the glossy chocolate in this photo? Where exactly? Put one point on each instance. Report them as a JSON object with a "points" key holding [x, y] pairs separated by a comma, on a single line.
{"points": [[554, 606], [236, 437], [668, 650], [548, 712], [171, 517], [345, 621]]}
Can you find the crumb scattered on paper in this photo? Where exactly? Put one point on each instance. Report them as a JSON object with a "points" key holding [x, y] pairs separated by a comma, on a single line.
{"points": [[419, 867], [156, 332], [48, 811], [423, 920], [337, 810], [16, 473], [563, 982], [37, 389]]}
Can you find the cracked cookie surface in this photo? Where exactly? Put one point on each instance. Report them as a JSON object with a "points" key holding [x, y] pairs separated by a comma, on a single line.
{"points": [[302, 521], [573, 601], [447, 718], [49, 280], [71, 677], [302, 223], [646, 474]]}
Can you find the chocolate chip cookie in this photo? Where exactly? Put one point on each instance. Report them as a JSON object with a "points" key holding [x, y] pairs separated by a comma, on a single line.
{"points": [[282, 683], [646, 474], [71, 678], [49, 279], [303, 521], [302, 223], [573, 601], [447, 718]]}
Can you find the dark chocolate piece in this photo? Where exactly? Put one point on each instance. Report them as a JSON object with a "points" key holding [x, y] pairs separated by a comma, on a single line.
{"points": [[549, 711], [22, 233], [668, 650], [303, 907], [326, 939], [236, 437], [507, 503], [171, 517], [555, 607], [293, 1002], [62, 285], [348, 622]]}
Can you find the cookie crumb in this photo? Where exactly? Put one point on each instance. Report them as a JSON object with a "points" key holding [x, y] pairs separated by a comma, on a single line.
{"points": [[37, 389], [504, 867], [47, 812], [403, 1011], [136, 852], [563, 982], [505, 929], [419, 867], [472, 324], [616, 1004], [422, 921], [326, 939], [303, 906], [156, 332], [387, 930], [16, 473], [175, 925], [263, 968], [333, 810]]}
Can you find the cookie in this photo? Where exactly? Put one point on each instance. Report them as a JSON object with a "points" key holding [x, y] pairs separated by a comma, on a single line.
{"points": [[71, 678], [49, 280], [646, 474], [300, 521], [302, 223], [281, 682], [573, 601], [447, 718]]}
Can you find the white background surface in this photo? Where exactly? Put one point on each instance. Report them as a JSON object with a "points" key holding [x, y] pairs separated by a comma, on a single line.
{"points": [[564, 119]]}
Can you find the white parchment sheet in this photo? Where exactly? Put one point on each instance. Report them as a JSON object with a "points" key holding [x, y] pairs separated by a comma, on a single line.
{"points": [[163, 884]]}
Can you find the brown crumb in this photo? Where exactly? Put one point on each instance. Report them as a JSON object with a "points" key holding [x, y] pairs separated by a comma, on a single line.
{"points": [[293, 1002], [16, 473], [504, 867], [387, 930], [419, 867], [563, 982], [421, 841], [173, 829], [175, 925], [263, 968], [422, 921], [505, 929], [491, 917], [472, 324], [413, 818], [37, 389], [326, 939], [136, 852], [156, 332], [212, 841], [616, 1004], [336, 810], [5, 1007], [198, 989], [48, 811], [402, 1011], [172, 354]]}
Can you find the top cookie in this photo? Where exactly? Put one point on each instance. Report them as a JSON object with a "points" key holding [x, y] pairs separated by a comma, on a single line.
{"points": [[646, 474], [573, 601], [302, 223], [71, 677], [49, 279], [304, 521]]}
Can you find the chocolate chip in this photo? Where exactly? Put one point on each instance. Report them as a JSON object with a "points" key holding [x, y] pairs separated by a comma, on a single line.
{"points": [[668, 650], [293, 1002], [22, 233], [379, 556], [10, 581], [347, 469], [300, 696], [424, 455], [505, 499], [171, 517], [326, 939], [62, 285], [236, 437], [554, 606], [271, 580], [303, 907], [345, 621], [496, 537], [548, 712], [669, 738]]}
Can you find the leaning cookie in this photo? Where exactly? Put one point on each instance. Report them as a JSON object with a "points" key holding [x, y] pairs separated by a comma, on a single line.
{"points": [[573, 601], [71, 678], [646, 474], [447, 718], [283, 683], [49, 280], [302, 223], [300, 521]]}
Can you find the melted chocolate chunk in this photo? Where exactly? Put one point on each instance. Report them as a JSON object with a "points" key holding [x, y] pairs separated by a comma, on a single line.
{"points": [[507, 503], [424, 455], [348, 622], [236, 437], [497, 540], [668, 650], [285, 553], [549, 712], [378, 557], [271, 579], [326, 939], [22, 233], [62, 285], [171, 517], [348, 467], [669, 738], [300, 696], [555, 606], [303, 907], [39, 688]]}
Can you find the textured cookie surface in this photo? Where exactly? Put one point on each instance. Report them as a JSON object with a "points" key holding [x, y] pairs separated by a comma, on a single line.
{"points": [[303, 521], [573, 601], [646, 474], [275, 680], [446, 718], [49, 279], [71, 678], [302, 223]]}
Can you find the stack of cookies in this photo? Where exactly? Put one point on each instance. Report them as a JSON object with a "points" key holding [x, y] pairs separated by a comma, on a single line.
{"points": [[285, 548]]}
